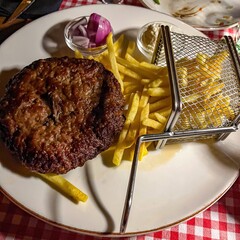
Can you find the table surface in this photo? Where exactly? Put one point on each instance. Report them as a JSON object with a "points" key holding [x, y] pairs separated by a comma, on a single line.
{"points": [[220, 221]]}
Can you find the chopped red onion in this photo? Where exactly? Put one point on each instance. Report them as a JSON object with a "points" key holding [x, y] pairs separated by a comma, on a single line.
{"points": [[91, 33], [80, 40], [82, 30]]}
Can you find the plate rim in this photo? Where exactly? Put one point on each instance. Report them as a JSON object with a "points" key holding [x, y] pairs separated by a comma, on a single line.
{"points": [[101, 234]]}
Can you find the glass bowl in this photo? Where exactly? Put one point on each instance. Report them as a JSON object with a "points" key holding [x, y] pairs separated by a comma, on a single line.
{"points": [[147, 36], [78, 45]]}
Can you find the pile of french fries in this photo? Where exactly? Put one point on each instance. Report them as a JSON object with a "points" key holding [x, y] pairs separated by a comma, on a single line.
{"points": [[145, 87], [205, 104]]}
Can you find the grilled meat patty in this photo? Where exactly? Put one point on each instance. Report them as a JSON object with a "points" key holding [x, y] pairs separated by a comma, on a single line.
{"points": [[58, 113]]}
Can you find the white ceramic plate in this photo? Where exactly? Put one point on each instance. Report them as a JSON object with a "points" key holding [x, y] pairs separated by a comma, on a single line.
{"points": [[172, 185], [202, 14]]}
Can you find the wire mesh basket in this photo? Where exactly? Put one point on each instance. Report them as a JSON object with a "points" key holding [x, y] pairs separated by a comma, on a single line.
{"points": [[204, 77]]}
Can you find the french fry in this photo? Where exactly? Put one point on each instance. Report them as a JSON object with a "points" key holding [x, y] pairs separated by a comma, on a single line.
{"points": [[124, 131], [164, 112], [134, 66], [137, 104], [131, 88], [64, 186], [213, 89], [145, 81], [128, 72], [191, 98], [184, 122], [153, 67], [212, 102], [131, 136], [217, 59], [159, 92], [133, 107], [144, 99], [156, 83], [118, 45], [130, 153], [130, 58], [152, 123], [160, 118], [182, 75], [160, 104], [143, 130], [119, 149], [118, 155], [228, 112], [207, 72], [123, 142], [130, 50], [127, 84], [78, 54], [215, 119], [112, 58]]}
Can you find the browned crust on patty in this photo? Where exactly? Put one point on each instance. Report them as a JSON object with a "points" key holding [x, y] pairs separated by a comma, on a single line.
{"points": [[58, 113]]}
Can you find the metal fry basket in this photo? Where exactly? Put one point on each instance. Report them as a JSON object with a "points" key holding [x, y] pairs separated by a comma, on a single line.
{"points": [[204, 77]]}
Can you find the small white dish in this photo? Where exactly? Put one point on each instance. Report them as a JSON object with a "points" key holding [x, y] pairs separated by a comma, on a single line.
{"points": [[75, 35], [148, 34]]}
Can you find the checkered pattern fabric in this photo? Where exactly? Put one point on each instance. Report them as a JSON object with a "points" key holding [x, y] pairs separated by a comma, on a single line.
{"points": [[218, 34], [219, 222], [75, 3]]}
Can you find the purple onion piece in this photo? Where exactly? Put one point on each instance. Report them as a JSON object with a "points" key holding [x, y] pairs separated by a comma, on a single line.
{"points": [[81, 41]]}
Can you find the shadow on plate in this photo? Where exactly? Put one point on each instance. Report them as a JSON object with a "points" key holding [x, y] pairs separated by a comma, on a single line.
{"points": [[226, 150], [7, 32], [94, 191], [131, 35], [5, 76], [9, 161], [53, 41], [107, 157]]}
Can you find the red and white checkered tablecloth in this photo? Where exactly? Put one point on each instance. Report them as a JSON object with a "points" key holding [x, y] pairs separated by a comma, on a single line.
{"points": [[220, 221]]}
